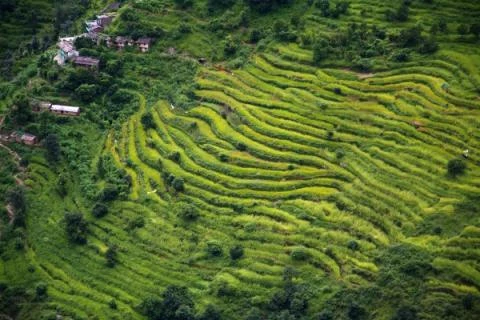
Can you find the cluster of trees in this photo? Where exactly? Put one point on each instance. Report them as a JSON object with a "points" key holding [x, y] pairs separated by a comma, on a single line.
{"points": [[176, 184], [176, 303], [328, 10], [76, 227], [360, 43]]}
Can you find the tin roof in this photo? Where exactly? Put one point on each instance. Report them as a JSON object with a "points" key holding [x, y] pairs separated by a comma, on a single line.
{"points": [[58, 107]]}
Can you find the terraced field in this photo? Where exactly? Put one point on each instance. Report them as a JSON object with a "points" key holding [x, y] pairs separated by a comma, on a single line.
{"points": [[288, 160]]}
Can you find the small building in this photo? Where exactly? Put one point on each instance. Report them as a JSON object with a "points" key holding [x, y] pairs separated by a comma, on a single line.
{"points": [[66, 50], [25, 138], [29, 139], [87, 62], [120, 42], [65, 110], [108, 42], [144, 44], [104, 20]]}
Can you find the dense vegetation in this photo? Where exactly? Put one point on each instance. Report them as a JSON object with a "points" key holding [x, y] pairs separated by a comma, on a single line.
{"points": [[279, 159]]}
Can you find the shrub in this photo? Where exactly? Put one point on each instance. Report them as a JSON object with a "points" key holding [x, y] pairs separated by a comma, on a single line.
{"points": [[99, 210], [76, 227], [147, 121], [174, 156], [241, 146], [353, 245], [214, 248], [300, 254], [456, 167], [236, 252], [41, 290], [52, 148], [178, 184], [405, 313], [186, 211], [112, 304], [111, 256]]}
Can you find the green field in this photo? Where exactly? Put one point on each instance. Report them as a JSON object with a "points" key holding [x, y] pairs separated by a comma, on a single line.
{"points": [[340, 174]]}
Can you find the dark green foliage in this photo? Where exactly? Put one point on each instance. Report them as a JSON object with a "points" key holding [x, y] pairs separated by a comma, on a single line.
{"points": [[356, 312], [183, 3], [320, 51], [178, 184], [456, 167], [61, 186], [400, 15], [241, 146], [109, 193], [300, 254], [210, 313], [175, 304], [186, 211], [111, 256], [214, 248], [282, 32], [99, 210], [148, 121], [353, 245], [52, 148], [41, 290], [135, 223], [86, 92], [21, 112], [236, 252], [16, 198], [174, 156], [76, 227], [405, 313], [263, 6], [112, 304]]}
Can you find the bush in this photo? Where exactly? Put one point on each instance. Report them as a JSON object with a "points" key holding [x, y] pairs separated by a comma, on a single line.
{"points": [[147, 121], [236, 252], [300, 254], [241, 146], [111, 256], [353, 245], [99, 210], [178, 184], [76, 227], [41, 290], [456, 167], [214, 248], [186, 211]]}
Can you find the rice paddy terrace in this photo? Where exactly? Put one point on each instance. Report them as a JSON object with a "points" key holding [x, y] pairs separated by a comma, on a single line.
{"points": [[282, 158], [321, 169]]}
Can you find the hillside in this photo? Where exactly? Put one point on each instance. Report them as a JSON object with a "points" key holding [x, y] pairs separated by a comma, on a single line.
{"points": [[263, 160]]}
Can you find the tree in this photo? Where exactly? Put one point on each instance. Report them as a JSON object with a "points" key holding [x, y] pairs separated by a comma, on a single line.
{"points": [[175, 304], [186, 211], [21, 112], [320, 51], [76, 227], [236, 252], [456, 167], [324, 6], [210, 313], [178, 184], [111, 256], [86, 92], [405, 313], [52, 147], [99, 210], [183, 3], [147, 121], [475, 29], [214, 248]]}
